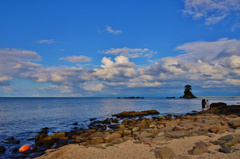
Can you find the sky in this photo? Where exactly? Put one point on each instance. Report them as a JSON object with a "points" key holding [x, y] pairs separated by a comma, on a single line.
{"points": [[119, 48]]}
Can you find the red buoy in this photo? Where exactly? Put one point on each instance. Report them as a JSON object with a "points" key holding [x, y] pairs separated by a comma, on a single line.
{"points": [[24, 148]]}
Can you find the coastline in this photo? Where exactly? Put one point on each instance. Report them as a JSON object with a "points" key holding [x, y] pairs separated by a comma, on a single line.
{"points": [[145, 138]]}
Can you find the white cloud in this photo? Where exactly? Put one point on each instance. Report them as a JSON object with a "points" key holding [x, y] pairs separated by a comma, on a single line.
{"points": [[48, 41], [76, 58], [206, 51], [212, 11], [110, 30], [94, 88], [130, 52]]}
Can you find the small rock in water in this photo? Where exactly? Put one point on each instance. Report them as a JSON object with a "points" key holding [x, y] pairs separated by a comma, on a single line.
{"points": [[194, 111], [2, 149], [93, 119], [75, 123]]}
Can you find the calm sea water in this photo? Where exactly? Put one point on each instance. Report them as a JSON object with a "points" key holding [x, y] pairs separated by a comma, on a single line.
{"points": [[22, 118]]}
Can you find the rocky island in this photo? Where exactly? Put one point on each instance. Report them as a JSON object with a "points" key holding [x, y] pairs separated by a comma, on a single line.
{"points": [[187, 93]]}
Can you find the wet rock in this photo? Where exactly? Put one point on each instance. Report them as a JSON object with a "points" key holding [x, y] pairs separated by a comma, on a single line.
{"points": [[15, 150], [135, 113], [11, 138], [74, 123], [106, 121], [165, 153], [29, 139], [16, 142], [93, 119], [115, 120], [61, 143], [2, 149]]}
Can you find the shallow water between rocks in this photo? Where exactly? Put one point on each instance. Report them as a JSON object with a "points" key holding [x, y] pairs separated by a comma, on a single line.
{"points": [[23, 118]]}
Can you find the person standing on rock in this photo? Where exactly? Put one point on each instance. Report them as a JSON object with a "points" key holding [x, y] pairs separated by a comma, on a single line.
{"points": [[203, 103], [207, 105]]}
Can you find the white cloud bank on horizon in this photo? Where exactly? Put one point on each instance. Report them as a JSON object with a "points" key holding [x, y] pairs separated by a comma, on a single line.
{"points": [[110, 30], [213, 11], [213, 64]]}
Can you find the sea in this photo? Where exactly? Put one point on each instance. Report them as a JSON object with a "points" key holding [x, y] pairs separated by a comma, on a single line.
{"points": [[23, 117]]}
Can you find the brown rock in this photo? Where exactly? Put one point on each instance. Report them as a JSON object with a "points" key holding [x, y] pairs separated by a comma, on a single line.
{"points": [[236, 124], [200, 148], [96, 140], [112, 137], [215, 129], [232, 116], [165, 153]]}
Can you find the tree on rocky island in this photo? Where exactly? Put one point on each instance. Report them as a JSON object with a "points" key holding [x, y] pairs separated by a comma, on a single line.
{"points": [[188, 93], [188, 87]]}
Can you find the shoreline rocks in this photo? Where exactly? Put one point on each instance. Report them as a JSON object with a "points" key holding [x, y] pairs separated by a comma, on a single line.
{"points": [[125, 114], [151, 131]]}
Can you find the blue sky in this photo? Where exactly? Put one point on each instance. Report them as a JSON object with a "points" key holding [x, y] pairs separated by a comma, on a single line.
{"points": [[119, 48]]}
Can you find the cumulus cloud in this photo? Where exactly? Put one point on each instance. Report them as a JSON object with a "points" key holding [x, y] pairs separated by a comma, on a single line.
{"points": [[14, 63], [130, 52], [110, 30], [218, 67], [212, 11], [76, 58], [48, 41], [207, 51]]}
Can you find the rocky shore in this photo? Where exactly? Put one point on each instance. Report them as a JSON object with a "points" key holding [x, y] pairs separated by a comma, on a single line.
{"points": [[213, 131]]}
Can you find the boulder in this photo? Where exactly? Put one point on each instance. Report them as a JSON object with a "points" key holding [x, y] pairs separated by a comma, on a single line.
{"points": [[226, 150], [199, 149], [230, 143], [217, 105], [96, 140], [135, 113], [165, 153], [117, 141], [112, 137], [127, 132]]}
